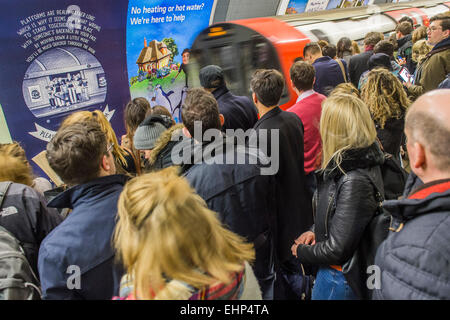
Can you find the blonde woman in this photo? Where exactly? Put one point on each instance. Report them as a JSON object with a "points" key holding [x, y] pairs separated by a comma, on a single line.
{"points": [[345, 200], [386, 98], [18, 169], [346, 88], [174, 248], [23, 211], [125, 160]]}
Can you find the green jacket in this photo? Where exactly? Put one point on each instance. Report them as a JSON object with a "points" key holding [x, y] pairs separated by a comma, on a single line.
{"points": [[433, 69]]}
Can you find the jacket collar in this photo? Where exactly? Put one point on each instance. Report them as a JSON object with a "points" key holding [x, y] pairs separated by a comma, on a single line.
{"points": [[272, 113], [359, 158], [432, 197], [404, 40], [322, 59], [220, 91], [442, 44], [68, 198]]}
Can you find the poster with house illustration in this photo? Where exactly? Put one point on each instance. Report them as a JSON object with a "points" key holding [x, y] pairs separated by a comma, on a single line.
{"points": [[159, 35]]}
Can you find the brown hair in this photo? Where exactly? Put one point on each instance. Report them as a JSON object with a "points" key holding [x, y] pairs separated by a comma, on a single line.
{"points": [[343, 45], [200, 105], [312, 47], [76, 152], [372, 38], [444, 18], [302, 75], [384, 46], [134, 114], [384, 95], [100, 118], [404, 28], [268, 85], [322, 43], [160, 110]]}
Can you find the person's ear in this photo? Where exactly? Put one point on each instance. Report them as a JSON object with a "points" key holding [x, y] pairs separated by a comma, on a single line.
{"points": [[106, 164], [222, 119], [255, 99], [418, 158], [186, 132]]}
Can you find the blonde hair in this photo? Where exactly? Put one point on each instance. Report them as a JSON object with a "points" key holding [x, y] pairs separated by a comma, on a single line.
{"points": [[420, 49], [166, 231], [345, 124], [14, 164], [384, 95], [99, 117], [346, 88], [419, 33]]}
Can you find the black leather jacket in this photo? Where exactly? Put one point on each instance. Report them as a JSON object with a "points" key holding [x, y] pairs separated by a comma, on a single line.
{"points": [[344, 204]]}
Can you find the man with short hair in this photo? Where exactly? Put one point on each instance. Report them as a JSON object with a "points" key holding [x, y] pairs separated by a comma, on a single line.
{"points": [[404, 40], [358, 63], [293, 205], [238, 111], [328, 72], [229, 177], [76, 260], [308, 108], [435, 66], [414, 259]]}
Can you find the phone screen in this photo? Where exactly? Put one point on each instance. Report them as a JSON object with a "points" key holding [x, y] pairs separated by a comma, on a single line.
{"points": [[405, 75]]}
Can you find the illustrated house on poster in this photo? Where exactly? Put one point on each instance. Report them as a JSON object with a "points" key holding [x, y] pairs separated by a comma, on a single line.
{"points": [[153, 56]]}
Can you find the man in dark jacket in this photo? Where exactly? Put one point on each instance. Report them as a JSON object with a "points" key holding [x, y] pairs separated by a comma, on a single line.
{"points": [[293, 212], [358, 63], [76, 260], [404, 41], [229, 177], [414, 259], [328, 72], [238, 111]]}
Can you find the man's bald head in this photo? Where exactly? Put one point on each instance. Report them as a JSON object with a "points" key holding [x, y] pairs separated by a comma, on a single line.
{"points": [[428, 123]]}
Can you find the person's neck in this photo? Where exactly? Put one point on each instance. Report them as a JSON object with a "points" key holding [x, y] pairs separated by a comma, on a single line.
{"points": [[316, 57], [435, 176], [262, 110]]}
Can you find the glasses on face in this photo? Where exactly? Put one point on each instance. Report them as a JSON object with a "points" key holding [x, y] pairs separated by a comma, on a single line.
{"points": [[434, 28], [109, 148]]}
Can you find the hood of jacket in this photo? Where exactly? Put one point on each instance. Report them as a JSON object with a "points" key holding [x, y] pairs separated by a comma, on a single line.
{"points": [[164, 140], [407, 209], [358, 158]]}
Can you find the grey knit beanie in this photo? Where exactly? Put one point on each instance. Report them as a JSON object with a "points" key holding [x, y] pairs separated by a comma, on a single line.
{"points": [[146, 135]]}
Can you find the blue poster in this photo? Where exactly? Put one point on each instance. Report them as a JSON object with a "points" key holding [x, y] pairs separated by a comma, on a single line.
{"points": [[296, 6], [62, 56], [159, 36]]}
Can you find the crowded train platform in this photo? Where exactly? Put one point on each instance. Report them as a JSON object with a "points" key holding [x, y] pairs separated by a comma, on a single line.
{"points": [[297, 156]]}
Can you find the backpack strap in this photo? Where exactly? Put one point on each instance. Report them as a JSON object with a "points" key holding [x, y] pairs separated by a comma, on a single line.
{"points": [[342, 69], [4, 186]]}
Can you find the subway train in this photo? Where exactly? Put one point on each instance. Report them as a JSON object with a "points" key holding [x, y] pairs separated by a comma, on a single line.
{"points": [[242, 46]]}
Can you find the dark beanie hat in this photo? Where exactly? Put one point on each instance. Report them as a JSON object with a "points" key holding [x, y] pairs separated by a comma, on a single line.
{"points": [[210, 74], [149, 131], [380, 60]]}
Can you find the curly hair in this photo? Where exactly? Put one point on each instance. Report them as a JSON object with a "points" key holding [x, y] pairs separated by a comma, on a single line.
{"points": [[384, 95]]}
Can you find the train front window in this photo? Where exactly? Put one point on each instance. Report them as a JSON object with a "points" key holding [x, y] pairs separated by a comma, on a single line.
{"points": [[239, 53]]}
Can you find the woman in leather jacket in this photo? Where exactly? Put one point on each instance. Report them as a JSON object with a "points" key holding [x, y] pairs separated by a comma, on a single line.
{"points": [[345, 200]]}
